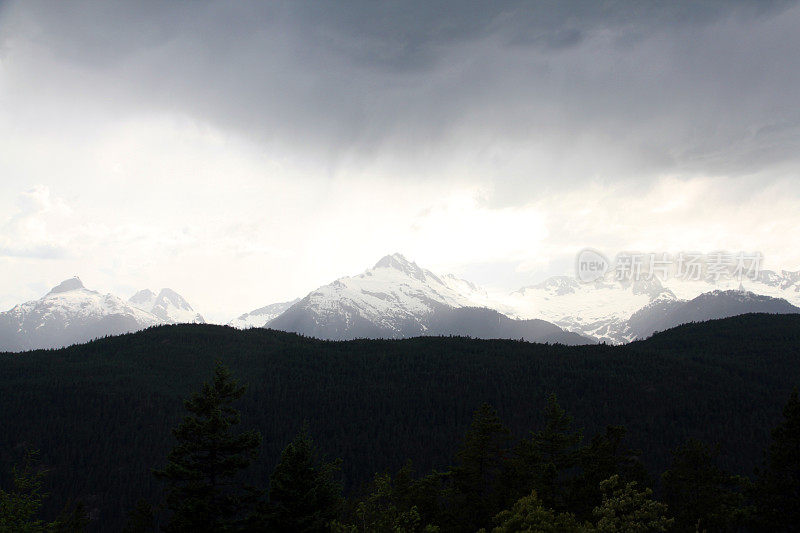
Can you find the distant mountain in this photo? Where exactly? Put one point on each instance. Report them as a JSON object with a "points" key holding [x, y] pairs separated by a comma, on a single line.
{"points": [[785, 284], [69, 314], [397, 298], [661, 315], [258, 318], [599, 310], [619, 312], [483, 323], [167, 305]]}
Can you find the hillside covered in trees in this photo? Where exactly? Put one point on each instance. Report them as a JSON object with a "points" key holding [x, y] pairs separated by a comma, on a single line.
{"points": [[101, 413]]}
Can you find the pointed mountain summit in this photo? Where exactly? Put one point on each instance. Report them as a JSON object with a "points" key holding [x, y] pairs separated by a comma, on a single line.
{"points": [[143, 299], [67, 285], [395, 260], [168, 306], [401, 264]]}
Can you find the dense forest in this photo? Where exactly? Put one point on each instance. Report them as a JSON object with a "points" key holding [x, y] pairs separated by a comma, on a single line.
{"points": [[495, 431]]}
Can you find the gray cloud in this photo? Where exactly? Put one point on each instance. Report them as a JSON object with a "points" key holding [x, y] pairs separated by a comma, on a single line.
{"points": [[36, 252], [25, 234], [534, 95]]}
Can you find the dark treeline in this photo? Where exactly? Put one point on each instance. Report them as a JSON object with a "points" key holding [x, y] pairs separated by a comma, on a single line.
{"points": [[549, 480], [101, 415]]}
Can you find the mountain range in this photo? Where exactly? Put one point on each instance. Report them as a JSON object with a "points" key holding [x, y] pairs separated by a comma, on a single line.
{"points": [[70, 313], [619, 312], [397, 298], [168, 306]]}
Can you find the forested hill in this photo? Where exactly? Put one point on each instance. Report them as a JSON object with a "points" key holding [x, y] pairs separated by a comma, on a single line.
{"points": [[101, 413]]}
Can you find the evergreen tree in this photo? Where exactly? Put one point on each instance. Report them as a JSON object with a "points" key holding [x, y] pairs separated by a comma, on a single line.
{"points": [[482, 471], [407, 491], [304, 495], [432, 495], [605, 456], [142, 519], [625, 509], [383, 510], [73, 519], [700, 495], [204, 490], [778, 489], [19, 507], [529, 515], [544, 459]]}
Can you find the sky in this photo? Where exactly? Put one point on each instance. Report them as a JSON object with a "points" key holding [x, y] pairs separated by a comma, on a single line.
{"points": [[244, 153]]}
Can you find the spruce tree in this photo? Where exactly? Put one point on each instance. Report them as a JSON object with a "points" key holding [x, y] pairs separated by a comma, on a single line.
{"points": [[529, 515], [626, 509], [204, 489], [605, 456], [19, 507], [383, 510], [543, 459], [700, 495], [778, 488], [304, 495], [482, 471], [142, 519]]}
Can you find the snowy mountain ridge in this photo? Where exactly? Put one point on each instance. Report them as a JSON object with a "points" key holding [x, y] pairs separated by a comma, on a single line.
{"points": [[604, 308], [258, 318], [167, 305], [397, 298], [70, 313]]}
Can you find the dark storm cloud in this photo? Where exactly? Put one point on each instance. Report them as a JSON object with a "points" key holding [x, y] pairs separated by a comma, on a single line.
{"points": [[572, 90]]}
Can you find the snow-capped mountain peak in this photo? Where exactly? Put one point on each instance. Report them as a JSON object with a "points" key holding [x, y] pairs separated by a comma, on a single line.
{"points": [[664, 314], [599, 309], [558, 285], [168, 297], [395, 260], [398, 298], [621, 311], [144, 299], [67, 285], [68, 314], [789, 279], [168, 306], [258, 318], [398, 262]]}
